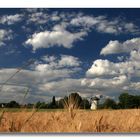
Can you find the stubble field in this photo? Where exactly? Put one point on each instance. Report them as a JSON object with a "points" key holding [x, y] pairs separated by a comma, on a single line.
{"points": [[111, 121]]}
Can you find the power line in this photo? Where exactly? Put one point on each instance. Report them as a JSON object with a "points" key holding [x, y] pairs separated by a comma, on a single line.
{"points": [[29, 62]]}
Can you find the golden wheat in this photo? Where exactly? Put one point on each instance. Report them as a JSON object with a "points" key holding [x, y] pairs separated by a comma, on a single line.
{"points": [[78, 121]]}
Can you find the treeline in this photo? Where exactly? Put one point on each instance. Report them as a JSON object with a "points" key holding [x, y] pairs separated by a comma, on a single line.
{"points": [[126, 101], [74, 100]]}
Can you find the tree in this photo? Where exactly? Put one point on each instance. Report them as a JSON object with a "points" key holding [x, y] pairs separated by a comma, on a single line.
{"points": [[29, 105], [53, 104], [38, 104], [41, 105], [85, 104], [13, 104], [136, 102], [129, 101], [124, 100], [60, 103], [53, 101], [109, 103], [74, 100]]}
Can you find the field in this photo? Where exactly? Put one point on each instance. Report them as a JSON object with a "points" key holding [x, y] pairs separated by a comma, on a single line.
{"points": [[70, 121]]}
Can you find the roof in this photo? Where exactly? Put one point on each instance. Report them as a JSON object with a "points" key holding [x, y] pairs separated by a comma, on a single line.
{"points": [[95, 98]]}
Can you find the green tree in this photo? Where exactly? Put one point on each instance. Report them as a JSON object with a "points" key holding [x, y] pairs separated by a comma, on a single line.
{"points": [[124, 100], [136, 101], [13, 104], [129, 101], [38, 104], [85, 104], [74, 100], [41, 105], [53, 104], [29, 105], [53, 101], [60, 103], [109, 103]]}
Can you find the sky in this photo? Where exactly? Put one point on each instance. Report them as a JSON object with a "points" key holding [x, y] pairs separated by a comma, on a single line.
{"points": [[89, 51]]}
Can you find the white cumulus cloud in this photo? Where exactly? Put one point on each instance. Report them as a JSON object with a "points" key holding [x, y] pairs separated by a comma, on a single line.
{"points": [[56, 37], [105, 25], [114, 47], [113, 77], [67, 60], [4, 36], [52, 76], [102, 67], [10, 19]]}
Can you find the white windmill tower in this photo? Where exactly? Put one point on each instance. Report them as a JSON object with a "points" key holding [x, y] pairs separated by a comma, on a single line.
{"points": [[95, 102]]}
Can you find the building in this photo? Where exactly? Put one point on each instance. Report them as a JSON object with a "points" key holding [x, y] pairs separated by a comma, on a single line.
{"points": [[94, 103]]}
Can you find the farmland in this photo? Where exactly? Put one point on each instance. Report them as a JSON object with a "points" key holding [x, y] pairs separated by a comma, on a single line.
{"points": [[111, 121]]}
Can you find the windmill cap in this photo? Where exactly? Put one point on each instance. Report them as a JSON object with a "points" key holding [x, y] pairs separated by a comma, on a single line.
{"points": [[95, 98]]}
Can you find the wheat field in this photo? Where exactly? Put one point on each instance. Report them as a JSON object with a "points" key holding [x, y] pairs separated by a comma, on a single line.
{"points": [[71, 121]]}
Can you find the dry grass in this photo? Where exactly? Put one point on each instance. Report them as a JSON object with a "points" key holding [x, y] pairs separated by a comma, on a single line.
{"points": [[79, 121]]}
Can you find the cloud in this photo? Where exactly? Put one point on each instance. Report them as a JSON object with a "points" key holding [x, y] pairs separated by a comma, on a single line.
{"points": [[41, 16], [44, 16], [117, 27], [64, 62], [106, 68], [135, 55], [80, 21], [115, 47], [61, 87], [67, 60], [48, 58], [63, 29], [102, 83], [57, 37], [37, 17], [66, 86], [55, 18], [10, 19], [30, 10], [55, 75], [15, 88], [131, 27], [42, 71], [49, 76], [85, 21], [108, 86], [134, 85], [102, 67], [103, 24], [116, 77], [114, 86], [4, 36], [120, 58]]}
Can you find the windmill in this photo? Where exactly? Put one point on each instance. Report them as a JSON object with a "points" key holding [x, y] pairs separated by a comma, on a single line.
{"points": [[95, 101]]}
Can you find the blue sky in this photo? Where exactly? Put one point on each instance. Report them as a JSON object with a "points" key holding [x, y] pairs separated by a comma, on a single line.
{"points": [[90, 51]]}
